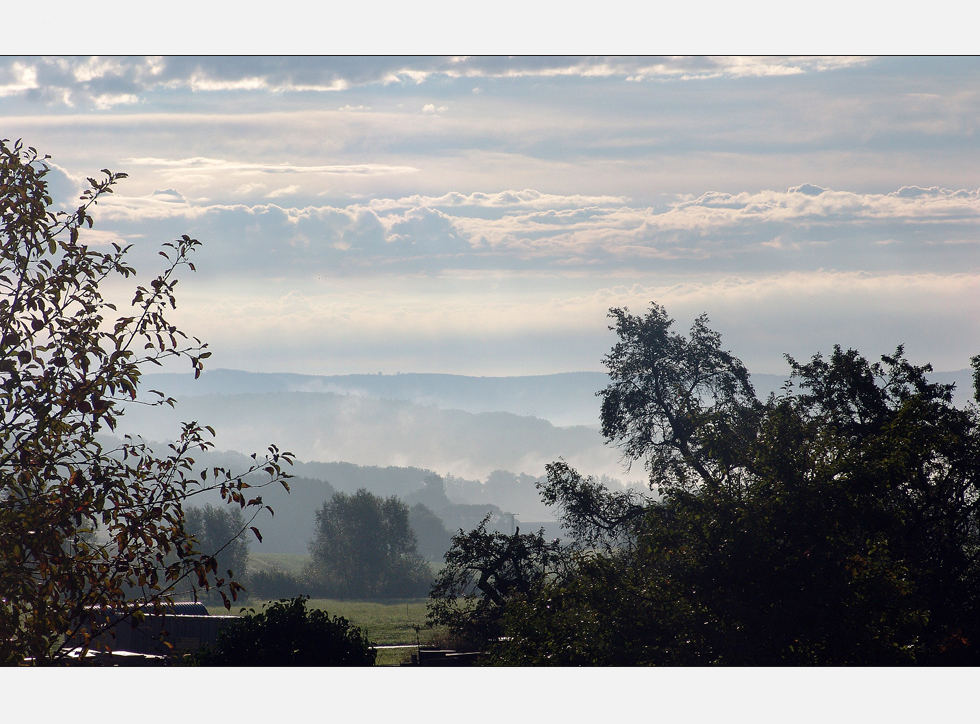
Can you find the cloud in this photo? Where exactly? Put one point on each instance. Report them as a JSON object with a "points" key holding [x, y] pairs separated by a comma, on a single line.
{"points": [[284, 191], [101, 83], [803, 227], [63, 186], [198, 163], [18, 77], [169, 195], [105, 101], [106, 82]]}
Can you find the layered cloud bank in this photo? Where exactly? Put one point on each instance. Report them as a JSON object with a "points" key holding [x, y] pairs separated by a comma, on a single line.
{"points": [[480, 215], [109, 82], [910, 229]]}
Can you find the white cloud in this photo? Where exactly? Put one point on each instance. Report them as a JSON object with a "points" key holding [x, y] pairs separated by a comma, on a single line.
{"points": [[284, 191], [104, 101], [803, 227], [197, 163], [95, 67], [18, 78], [199, 83], [93, 78]]}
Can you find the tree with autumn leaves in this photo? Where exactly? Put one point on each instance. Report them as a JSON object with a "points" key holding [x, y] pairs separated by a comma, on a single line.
{"points": [[88, 522]]}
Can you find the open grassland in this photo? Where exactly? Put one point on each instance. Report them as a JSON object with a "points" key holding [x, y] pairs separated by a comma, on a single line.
{"points": [[393, 657], [291, 563], [384, 623], [390, 622]]}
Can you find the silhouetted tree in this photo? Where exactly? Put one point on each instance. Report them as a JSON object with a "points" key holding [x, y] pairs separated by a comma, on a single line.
{"points": [[484, 572], [363, 547], [287, 633], [837, 523]]}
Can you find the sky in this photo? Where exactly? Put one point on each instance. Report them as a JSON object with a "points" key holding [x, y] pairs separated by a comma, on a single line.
{"points": [[480, 214]]}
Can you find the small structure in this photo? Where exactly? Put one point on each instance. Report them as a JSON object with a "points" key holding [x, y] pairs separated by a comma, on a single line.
{"points": [[446, 657], [182, 628]]}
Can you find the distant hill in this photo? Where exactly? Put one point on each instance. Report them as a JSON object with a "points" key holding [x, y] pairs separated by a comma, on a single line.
{"points": [[451, 424], [369, 431], [459, 503], [391, 433], [562, 399]]}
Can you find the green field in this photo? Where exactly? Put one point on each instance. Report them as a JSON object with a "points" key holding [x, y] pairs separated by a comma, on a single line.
{"points": [[385, 623], [291, 563], [390, 622]]}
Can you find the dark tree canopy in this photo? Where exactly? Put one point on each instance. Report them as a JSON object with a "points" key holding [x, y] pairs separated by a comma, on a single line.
{"points": [[484, 571], [836, 523], [287, 633], [595, 517], [86, 523], [364, 547], [682, 405]]}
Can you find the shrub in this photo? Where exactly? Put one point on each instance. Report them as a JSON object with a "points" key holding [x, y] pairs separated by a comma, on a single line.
{"points": [[286, 633]]}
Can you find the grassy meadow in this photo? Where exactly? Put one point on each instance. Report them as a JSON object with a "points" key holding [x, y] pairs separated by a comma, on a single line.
{"points": [[385, 623], [291, 563]]}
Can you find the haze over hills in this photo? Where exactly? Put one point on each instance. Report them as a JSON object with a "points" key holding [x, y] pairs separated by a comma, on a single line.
{"points": [[451, 424], [369, 431], [390, 433], [459, 503], [563, 399]]}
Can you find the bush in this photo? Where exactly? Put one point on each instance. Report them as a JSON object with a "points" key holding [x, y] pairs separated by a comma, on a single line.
{"points": [[286, 633]]}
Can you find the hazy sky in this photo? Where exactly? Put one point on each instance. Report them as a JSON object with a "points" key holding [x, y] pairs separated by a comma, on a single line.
{"points": [[479, 215]]}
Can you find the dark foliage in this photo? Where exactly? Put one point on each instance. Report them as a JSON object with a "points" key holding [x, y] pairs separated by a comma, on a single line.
{"points": [[286, 633], [834, 524], [484, 571]]}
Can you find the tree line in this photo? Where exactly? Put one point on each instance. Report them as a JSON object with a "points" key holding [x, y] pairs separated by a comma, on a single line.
{"points": [[364, 546], [833, 523]]}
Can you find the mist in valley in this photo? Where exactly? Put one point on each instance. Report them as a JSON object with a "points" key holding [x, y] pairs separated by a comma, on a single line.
{"points": [[464, 447]]}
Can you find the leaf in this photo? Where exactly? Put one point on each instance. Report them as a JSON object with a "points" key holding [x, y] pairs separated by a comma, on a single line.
{"points": [[257, 534]]}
